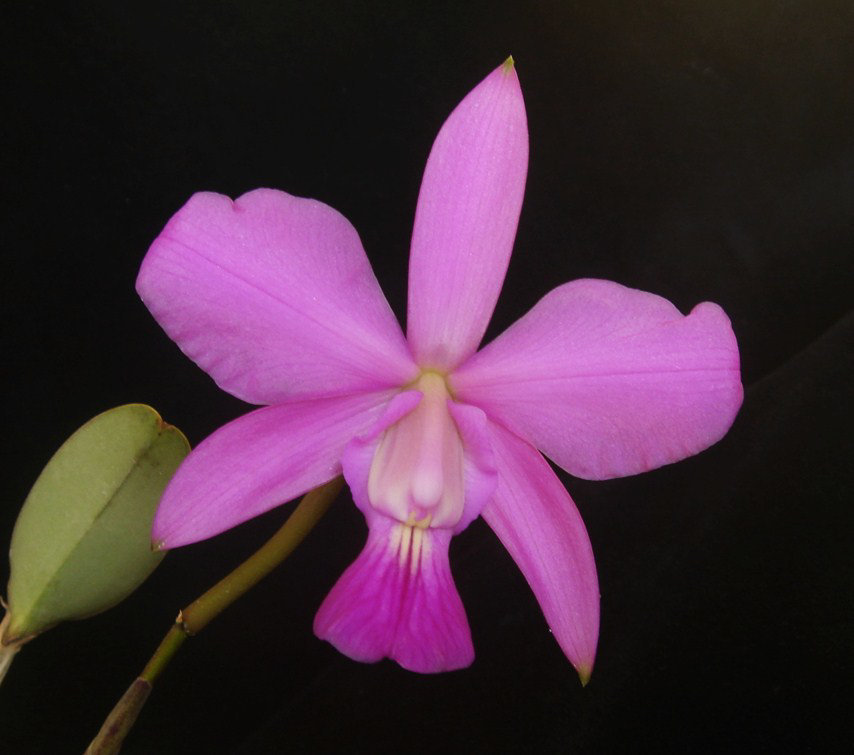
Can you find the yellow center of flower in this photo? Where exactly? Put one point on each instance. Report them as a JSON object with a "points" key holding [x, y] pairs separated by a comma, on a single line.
{"points": [[416, 475]]}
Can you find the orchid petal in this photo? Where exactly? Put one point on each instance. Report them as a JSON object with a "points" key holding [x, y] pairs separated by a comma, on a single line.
{"points": [[257, 462], [398, 600], [479, 473], [272, 296], [609, 381], [465, 222], [538, 523]]}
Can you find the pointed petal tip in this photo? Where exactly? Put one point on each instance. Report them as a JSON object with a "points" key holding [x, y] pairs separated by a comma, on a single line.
{"points": [[584, 673], [508, 65], [158, 546]]}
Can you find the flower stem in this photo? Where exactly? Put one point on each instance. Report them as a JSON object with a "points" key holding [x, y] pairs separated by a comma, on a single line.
{"points": [[7, 655], [8, 651], [201, 611], [165, 652]]}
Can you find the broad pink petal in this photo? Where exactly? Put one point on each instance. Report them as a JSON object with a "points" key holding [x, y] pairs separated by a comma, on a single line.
{"points": [[465, 222], [537, 522], [609, 381], [398, 600], [258, 461], [272, 295]]}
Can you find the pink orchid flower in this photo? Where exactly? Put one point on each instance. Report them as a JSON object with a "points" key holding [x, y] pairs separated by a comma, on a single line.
{"points": [[273, 296]]}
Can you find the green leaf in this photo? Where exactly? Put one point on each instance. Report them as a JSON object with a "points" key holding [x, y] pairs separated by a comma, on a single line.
{"points": [[82, 540]]}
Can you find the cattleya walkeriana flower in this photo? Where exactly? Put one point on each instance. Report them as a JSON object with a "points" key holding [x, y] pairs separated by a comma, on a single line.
{"points": [[273, 296]]}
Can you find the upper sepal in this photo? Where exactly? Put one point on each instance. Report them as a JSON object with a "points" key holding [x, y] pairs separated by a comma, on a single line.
{"points": [[465, 221]]}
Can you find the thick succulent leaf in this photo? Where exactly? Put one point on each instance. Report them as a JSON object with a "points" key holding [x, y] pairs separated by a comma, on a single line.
{"points": [[82, 540]]}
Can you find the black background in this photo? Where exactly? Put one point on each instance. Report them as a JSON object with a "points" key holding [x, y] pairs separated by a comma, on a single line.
{"points": [[696, 149]]}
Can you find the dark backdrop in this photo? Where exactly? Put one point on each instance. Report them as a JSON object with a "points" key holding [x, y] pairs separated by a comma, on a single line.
{"points": [[700, 150]]}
